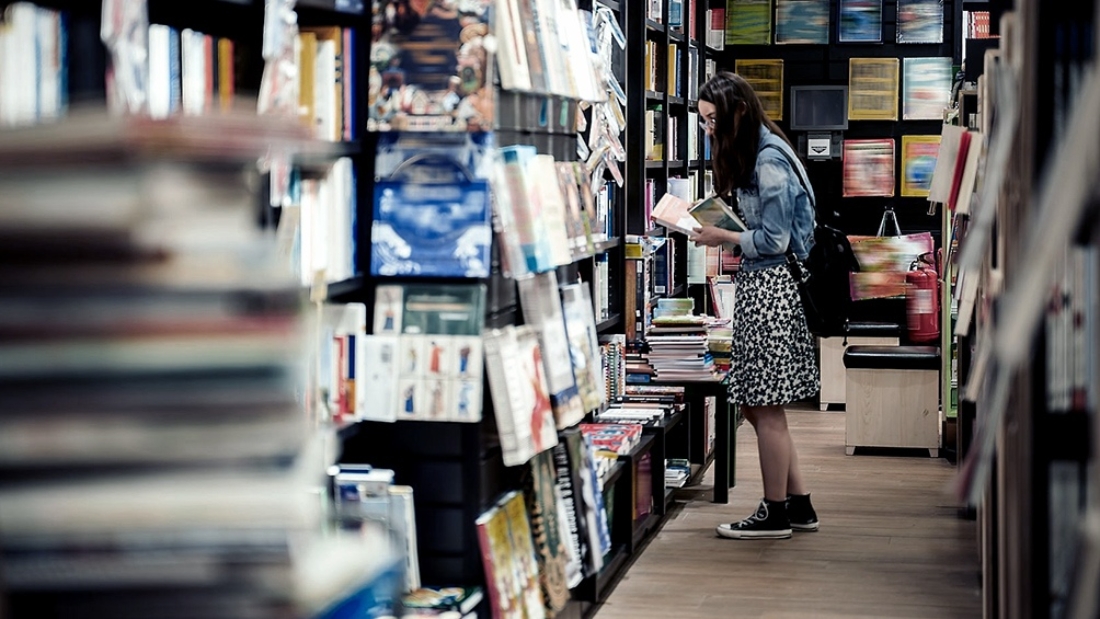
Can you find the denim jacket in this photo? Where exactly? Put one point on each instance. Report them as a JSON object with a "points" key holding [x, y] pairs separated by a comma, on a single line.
{"points": [[776, 209]]}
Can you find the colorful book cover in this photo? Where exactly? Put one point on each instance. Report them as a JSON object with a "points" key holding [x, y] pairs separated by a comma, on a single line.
{"points": [[567, 458], [748, 22], [526, 241], [432, 210], [868, 168], [584, 347], [523, 550], [860, 21], [502, 574], [918, 161], [430, 66], [592, 493], [920, 21], [439, 351], [580, 233], [541, 493], [537, 63], [926, 90], [532, 382], [541, 303], [801, 22]]}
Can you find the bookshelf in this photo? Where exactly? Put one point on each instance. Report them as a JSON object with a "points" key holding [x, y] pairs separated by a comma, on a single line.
{"points": [[1031, 374], [211, 434]]}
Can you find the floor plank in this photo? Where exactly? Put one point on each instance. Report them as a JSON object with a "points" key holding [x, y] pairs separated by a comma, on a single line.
{"points": [[891, 545]]}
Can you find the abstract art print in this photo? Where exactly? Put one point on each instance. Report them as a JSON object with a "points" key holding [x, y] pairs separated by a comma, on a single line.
{"points": [[926, 88], [920, 21], [860, 21], [801, 22], [868, 168], [918, 161], [748, 22]]}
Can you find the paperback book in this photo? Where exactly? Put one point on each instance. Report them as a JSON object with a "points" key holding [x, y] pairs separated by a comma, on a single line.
{"points": [[682, 216]]}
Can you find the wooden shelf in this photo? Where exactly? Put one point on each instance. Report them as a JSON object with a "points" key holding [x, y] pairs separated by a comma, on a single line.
{"points": [[654, 165], [653, 26], [611, 4], [654, 96]]}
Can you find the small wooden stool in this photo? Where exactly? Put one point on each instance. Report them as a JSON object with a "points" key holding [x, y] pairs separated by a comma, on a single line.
{"points": [[892, 397]]}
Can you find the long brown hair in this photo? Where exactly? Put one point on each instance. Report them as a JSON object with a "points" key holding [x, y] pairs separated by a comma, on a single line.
{"points": [[733, 155]]}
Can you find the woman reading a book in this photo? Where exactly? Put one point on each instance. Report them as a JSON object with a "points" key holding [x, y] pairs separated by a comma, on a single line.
{"points": [[773, 353]]}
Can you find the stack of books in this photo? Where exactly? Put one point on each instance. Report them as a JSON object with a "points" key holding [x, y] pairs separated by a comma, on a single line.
{"points": [[156, 460], [678, 349], [620, 438], [677, 472]]}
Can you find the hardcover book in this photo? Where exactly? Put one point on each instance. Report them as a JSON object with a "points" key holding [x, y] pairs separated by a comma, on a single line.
{"points": [[430, 66]]}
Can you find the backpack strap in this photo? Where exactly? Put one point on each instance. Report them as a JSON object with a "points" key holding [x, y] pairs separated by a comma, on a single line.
{"points": [[797, 172], [791, 258]]}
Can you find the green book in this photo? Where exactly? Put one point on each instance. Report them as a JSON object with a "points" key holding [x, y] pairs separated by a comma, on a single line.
{"points": [[713, 211]]}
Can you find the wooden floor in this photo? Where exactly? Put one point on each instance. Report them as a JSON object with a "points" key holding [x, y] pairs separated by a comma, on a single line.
{"points": [[891, 544]]}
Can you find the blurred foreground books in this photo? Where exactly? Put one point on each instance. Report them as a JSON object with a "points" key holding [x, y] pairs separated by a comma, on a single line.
{"points": [[155, 459]]}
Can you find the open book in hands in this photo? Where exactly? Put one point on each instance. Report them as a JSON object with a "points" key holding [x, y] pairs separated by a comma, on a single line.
{"points": [[678, 214]]}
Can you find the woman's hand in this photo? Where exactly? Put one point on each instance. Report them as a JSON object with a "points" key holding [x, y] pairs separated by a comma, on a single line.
{"points": [[713, 236]]}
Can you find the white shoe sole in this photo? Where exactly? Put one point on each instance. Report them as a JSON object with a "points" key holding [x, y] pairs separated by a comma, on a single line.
{"points": [[805, 527], [729, 533]]}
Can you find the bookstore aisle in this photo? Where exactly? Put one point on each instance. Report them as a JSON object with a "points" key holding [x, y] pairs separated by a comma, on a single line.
{"points": [[891, 544]]}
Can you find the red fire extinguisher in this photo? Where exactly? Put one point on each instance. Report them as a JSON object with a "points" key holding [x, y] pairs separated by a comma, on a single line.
{"points": [[922, 301]]}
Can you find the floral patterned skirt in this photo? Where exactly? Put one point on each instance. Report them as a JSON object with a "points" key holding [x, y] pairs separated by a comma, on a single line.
{"points": [[773, 351]]}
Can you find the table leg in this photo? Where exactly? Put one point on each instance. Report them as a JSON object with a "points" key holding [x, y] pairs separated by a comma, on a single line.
{"points": [[722, 451]]}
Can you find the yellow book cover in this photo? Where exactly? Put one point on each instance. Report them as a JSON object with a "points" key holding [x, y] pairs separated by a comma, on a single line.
{"points": [[336, 35], [307, 57], [226, 79]]}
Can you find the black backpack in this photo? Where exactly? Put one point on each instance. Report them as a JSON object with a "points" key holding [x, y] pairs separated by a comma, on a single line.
{"points": [[824, 282]]}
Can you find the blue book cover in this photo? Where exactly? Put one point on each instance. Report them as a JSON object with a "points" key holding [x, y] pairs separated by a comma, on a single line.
{"points": [[432, 207]]}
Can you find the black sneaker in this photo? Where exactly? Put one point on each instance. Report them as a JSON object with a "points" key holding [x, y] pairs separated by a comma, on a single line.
{"points": [[769, 522], [801, 513]]}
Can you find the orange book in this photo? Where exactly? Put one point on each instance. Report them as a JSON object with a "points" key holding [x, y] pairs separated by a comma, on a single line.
{"points": [[226, 78]]}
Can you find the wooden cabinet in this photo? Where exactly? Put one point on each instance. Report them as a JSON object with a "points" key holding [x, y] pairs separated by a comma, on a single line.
{"points": [[831, 364]]}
